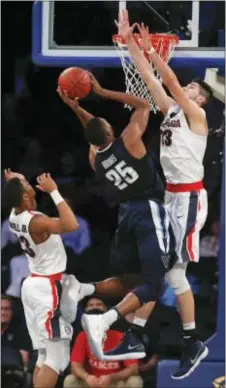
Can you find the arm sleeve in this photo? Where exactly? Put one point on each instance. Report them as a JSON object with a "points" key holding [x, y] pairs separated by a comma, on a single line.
{"points": [[78, 353]]}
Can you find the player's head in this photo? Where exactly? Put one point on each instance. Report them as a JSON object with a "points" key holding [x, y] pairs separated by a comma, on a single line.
{"points": [[6, 310], [18, 193], [99, 132], [198, 91], [95, 305]]}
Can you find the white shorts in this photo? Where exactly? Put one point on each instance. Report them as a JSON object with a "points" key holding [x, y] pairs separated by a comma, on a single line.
{"points": [[41, 301], [187, 212]]}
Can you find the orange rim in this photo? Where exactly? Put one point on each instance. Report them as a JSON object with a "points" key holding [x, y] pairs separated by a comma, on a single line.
{"points": [[154, 38]]}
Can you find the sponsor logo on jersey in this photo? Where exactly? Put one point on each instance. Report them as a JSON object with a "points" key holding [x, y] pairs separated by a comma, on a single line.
{"points": [[165, 260]]}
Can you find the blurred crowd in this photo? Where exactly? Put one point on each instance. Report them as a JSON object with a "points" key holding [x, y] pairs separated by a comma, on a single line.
{"points": [[40, 134]]}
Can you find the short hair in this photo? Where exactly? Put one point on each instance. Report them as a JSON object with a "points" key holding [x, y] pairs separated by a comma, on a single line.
{"points": [[94, 132], [205, 89], [7, 297], [90, 297], [12, 193]]}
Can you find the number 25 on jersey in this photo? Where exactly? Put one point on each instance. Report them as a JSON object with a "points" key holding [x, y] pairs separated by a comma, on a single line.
{"points": [[122, 175]]}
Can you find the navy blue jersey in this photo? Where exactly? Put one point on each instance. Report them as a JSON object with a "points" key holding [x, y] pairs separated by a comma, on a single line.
{"points": [[126, 177]]}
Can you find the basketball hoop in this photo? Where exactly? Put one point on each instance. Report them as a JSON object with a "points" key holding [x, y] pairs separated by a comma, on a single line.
{"points": [[164, 45]]}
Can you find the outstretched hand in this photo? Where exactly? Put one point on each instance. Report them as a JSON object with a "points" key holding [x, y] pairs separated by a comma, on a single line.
{"points": [[145, 43], [8, 174], [124, 28], [66, 99]]}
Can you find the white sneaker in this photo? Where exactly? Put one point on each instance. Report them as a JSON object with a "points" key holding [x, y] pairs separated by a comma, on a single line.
{"points": [[95, 328]]}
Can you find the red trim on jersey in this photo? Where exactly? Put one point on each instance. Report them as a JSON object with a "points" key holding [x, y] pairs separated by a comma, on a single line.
{"points": [[56, 276], [183, 187], [31, 212]]}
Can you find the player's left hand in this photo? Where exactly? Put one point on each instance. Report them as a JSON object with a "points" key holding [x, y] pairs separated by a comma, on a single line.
{"points": [[105, 381], [8, 174], [67, 100], [124, 28]]}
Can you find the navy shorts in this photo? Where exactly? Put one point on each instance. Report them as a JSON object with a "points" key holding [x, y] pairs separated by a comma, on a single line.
{"points": [[144, 241]]}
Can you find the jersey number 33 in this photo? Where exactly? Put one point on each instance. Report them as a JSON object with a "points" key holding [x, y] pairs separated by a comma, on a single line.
{"points": [[122, 175]]}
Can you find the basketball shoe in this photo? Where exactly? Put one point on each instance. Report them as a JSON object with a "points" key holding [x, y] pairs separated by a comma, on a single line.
{"points": [[192, 355], [129, 349], [95, 327]]}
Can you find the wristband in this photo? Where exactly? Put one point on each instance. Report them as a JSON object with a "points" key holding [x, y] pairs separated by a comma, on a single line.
{"points": [[151, 51], [56, 197]]}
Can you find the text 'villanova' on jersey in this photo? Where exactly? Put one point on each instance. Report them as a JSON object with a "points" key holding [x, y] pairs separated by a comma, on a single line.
{"points": [[127, 177]]}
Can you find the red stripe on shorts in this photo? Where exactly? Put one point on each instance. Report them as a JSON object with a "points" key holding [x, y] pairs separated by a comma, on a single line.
{"points": [[50, 313], [189, 237], [189, 245]]}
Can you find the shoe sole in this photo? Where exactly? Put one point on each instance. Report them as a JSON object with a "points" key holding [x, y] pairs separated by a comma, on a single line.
{"points": [[122, 357], [201, 357], [92, 344]]}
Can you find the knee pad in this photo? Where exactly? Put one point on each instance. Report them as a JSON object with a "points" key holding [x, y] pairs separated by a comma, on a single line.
{"points": [[148, 292], [41, 357], [176, 278], [57, 354]]}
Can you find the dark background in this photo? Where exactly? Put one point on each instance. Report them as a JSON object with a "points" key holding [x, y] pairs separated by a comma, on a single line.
{"points": [[40, 134]]}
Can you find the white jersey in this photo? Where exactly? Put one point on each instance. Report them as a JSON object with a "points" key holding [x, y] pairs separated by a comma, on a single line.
{"points": [[47, 258], [181, 151]]}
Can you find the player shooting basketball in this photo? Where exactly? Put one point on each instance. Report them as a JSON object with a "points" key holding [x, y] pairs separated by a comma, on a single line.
{"points": [[184, 133], [143, 226]]}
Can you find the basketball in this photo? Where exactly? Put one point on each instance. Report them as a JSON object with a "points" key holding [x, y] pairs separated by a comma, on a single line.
{"points": [[75, 82]]}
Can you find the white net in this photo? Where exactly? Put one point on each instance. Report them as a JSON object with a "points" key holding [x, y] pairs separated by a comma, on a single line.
{"points": [[135, 84]]}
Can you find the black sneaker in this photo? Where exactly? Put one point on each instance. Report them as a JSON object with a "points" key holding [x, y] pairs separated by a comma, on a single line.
{"points": [[129, 349], [191, 358]]}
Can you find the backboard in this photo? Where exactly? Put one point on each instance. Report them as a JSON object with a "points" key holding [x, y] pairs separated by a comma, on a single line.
{"points": [[78, 45]]}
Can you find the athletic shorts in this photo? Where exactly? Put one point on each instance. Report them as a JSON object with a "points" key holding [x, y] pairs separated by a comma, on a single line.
{"points": [[144, 242], [187, 212], [41, 301]]}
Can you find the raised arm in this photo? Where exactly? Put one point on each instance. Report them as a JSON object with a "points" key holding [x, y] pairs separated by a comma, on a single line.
{"points": [[169, 78], [66, 222], [157, 91], [139, 118], [84, 117], [81, 113]]}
